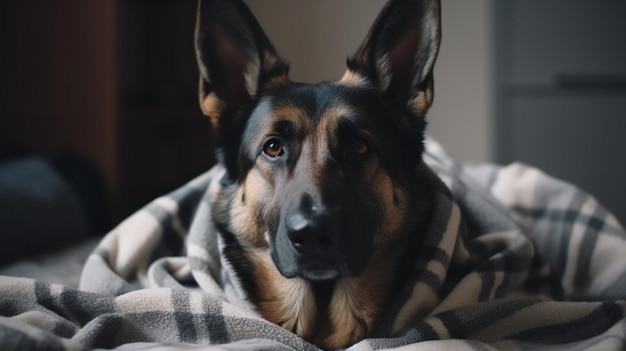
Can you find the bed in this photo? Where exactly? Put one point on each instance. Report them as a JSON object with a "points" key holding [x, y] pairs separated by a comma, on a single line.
{"points": [[535, 263]]}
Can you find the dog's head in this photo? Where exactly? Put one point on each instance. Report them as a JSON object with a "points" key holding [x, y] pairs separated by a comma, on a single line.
{"points": [[321, 174]]}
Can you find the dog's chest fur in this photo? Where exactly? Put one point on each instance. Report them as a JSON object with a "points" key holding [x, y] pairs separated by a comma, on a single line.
{"points": [[327, 312]]}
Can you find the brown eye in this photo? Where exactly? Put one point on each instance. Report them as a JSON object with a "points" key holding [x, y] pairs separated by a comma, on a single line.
{"points": [[359, 147], [273, 148]]}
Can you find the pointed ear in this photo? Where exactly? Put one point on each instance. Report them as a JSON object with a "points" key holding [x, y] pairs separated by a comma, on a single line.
{"points": [[235, 57], [399, 52]]}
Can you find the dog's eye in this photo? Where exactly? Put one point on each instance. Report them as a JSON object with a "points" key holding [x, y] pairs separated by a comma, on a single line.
{"points": [[273, 148], [359, 147]]}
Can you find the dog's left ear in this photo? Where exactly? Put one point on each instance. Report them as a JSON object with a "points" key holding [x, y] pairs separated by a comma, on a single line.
{"points": [[399, 52], [235, 57]]}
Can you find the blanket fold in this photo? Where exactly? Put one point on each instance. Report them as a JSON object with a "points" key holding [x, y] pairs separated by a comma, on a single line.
{"points": [[513, 259]]}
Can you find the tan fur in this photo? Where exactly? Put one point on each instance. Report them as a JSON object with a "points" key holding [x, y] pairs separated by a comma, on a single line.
{"points": [[244, 213], [327, 125], [422, 102], [331, 116], [394, 211], [294, 114], [351, 78], [212, 107], [287, 302], [358, 302], [276, 81], [270, 60]]}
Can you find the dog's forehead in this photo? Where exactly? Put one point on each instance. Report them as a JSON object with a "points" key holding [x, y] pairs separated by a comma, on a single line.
{"points": [[309, 105]]}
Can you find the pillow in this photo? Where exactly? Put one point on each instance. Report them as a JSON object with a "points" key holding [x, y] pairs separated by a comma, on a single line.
{"points": [[38, 210]]}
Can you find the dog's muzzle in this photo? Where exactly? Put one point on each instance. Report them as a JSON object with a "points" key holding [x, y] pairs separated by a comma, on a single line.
{"points": [[314, 237], [312, 243]]}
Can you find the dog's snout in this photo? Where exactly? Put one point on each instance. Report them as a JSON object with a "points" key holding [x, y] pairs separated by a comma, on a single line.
{"points": [[312, 229]]}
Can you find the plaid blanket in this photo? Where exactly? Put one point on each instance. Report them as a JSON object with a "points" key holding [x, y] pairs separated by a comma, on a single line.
{"points": [[514, 259]]}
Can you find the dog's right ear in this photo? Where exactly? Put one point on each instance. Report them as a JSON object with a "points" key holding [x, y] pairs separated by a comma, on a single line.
{"points": [[235, 57]]}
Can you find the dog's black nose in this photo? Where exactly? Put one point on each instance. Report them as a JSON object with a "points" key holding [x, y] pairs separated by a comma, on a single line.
{"points": [[312, 230]]}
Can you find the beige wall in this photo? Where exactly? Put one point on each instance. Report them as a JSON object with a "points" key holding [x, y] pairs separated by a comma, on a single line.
{"points": [[316, 36], [462, 115]]}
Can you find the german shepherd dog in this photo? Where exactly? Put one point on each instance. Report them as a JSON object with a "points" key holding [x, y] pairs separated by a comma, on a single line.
{"points": [[325, 193]]}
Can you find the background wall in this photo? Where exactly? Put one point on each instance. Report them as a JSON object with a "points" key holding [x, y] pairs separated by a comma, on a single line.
{"points": [[116, 82], [317, 36], [58, 76], [107, 88]]}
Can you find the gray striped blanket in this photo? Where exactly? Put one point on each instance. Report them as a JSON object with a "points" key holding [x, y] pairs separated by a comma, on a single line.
{"points": [[516, 260]]}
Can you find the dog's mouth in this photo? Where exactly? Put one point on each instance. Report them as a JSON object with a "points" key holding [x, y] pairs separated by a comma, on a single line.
{"points": [[292, 264], [318, 272], [314, 269]]}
